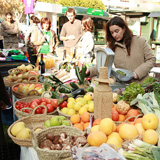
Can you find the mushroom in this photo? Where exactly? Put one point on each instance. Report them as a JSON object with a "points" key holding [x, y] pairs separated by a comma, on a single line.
{"points": [[63, 136], [57, 147], [66, 146], [56, 139], [46, 144], [80, 141]]}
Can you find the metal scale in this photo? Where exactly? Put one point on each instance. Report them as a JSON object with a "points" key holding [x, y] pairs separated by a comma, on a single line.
{"points": [[105, 57]]}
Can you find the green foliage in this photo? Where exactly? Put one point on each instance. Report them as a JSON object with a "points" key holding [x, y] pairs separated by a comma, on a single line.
{"points": [[98, 4]]}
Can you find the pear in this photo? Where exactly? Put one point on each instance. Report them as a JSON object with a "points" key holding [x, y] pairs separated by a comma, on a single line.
{"points": [[25, 133], [29, 67], [17, 128], [14, 77], [23, 68]]}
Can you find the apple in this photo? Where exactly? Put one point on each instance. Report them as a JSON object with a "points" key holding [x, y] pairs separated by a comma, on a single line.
{"points": [[62, 117], [65, 123], [55, 121], [47, 123]]}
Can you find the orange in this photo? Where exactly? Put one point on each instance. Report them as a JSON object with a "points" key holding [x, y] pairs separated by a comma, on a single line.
{"points": [[85, 117], [75, 118], [121, 118], [138, 120], [79, 126], [86, 125], [150, 121], [128, 131], [150, 136], [96, 138], [132, 112]]}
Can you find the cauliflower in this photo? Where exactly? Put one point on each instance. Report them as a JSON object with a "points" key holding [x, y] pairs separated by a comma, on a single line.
{"points": [[122, 107]]}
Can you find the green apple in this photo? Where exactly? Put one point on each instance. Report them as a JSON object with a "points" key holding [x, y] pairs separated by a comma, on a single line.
{"points": [[62, 117], [47, 123], [65, 123], [55, 121]]}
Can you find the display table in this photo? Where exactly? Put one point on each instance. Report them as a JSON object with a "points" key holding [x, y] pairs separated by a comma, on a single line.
{"points": [[9, 64]]}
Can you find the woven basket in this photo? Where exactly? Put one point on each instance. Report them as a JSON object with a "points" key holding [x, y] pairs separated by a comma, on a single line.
{"points": [[22, 95], [33, 122], [21, 114], [54, 154]]}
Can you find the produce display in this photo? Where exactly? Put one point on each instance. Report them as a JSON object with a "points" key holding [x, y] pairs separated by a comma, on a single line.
{"points": [[57, 121], [51, 105], [133, 131], [22, 74]]}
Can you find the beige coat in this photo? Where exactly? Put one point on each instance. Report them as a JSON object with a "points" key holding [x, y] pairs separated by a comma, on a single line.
{"points": [[10, 33], [140, 61]]}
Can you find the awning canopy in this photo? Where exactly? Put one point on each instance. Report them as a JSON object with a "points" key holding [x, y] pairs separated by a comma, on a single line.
{"points": [[154, 14], [87, 11]]}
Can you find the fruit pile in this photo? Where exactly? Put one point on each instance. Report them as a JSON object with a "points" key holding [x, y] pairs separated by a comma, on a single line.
{"points": [[80, 122], [20, 131], [22, 74], [24, 88], [78, 105], [105, 131], [57, 121], [51, 105]]}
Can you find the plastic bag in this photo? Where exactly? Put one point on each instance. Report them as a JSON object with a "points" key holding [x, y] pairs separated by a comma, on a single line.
{"points": [[104, 152]]}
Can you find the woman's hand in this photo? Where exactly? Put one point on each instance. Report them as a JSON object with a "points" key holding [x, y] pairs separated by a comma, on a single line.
{"points": [[135, 75]]}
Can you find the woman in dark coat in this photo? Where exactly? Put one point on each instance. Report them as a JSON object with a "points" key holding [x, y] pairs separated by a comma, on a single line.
{"points": [[4, 103]]}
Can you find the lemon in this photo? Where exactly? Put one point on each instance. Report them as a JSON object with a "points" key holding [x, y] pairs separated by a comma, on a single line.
{"points": [[115, 142], [86, 105], [71, 99], [95, 128], [91, 107], [78, 99], [87, 97], [71, 104], [64, 110], [83, 101], [77, 106], [71, 112], [82, 110]]}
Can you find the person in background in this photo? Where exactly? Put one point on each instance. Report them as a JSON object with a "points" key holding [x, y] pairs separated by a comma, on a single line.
{"points": [[51, 40], [71, 31], [4, 103], [131, 52], [33, 36], [86, 42], [9, 31]]}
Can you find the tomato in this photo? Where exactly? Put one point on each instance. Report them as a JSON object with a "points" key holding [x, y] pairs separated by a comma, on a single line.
{"points": [[43, 103], [48, 101], [63, 104], [115, 115], [50, 108], [27, 110], [36, 100], [33, 104], [38, 110], [54, 103], [43, 100]]}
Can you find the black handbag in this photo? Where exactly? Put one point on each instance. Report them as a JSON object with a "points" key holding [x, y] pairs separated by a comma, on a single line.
{"points": [[32, 47]]}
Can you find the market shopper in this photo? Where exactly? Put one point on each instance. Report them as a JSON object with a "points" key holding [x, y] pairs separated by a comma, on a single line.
{"points": [[9, 31], [86, 42], [51, 40], [71, 31], [4, 103], [34, 39], [131, 52]]}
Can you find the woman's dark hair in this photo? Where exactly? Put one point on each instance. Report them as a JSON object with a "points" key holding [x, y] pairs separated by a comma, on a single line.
{"points": [[35, 19], [46, 20], [87, 23], [127, 37]]}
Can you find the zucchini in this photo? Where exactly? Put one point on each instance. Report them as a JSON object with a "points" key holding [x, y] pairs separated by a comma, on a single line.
{"points": [[83, 73], [79, 75], [74, 86], [77, 92]]}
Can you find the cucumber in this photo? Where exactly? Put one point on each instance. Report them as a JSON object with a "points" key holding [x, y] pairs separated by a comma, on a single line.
{"points": [[74, 86]]}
